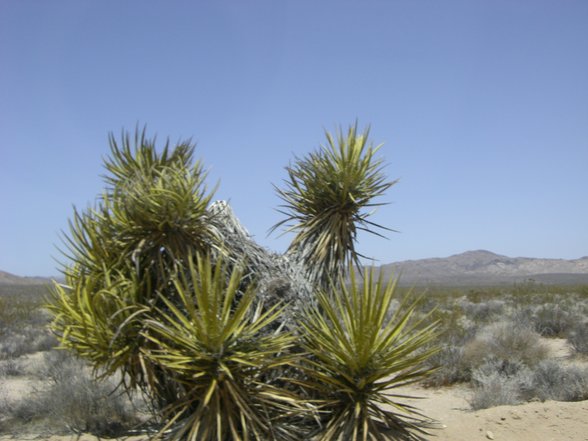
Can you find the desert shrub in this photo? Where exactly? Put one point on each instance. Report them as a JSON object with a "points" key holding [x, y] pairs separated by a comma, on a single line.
{"points": [[554, 381], [20, 306], [506, 362], [33, 292], [13, 345], [578, 337], [530, 289], [497, 383], [495, 390], [74, 401], [395, 305], [524, 315], [5, 407], [11, 367], [26, 340], [23, 321], [450, 366], [505, 341], [44, 341], [552, 320], [484, 311]]}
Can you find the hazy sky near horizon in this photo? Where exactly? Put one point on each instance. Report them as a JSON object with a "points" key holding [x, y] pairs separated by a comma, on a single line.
{"points": [[482, 107]]}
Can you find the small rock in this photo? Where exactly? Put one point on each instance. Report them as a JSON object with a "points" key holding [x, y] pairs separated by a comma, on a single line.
{"points": [[489, 435], [515, 416]]}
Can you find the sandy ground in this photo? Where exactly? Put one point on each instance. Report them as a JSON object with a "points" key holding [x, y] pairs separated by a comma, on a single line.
{"points": [[537, 421]]}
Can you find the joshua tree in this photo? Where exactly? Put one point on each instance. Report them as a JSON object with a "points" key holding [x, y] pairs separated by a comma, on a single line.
{"points": [[224, 336]]}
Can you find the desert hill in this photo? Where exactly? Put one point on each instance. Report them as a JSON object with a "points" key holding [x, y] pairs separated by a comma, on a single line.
{"points": [[11, 279], [483, 267]]}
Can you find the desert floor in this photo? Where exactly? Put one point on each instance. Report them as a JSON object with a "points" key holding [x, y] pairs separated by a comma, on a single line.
{"points": [[535, 421]]}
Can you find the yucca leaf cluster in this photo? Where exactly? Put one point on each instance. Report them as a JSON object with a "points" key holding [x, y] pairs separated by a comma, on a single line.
{"points": [[154, 206], [214, 346], [228, 340], [125, 252], [325, 200], [358, 354]]}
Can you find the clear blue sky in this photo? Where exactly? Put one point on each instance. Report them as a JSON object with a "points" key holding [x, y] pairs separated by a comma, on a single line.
{"points": [[482, 107]]}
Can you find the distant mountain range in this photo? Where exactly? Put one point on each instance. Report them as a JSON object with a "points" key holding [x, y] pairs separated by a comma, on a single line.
{"points": [[483, 267], [11, 279], [472, 268]]}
